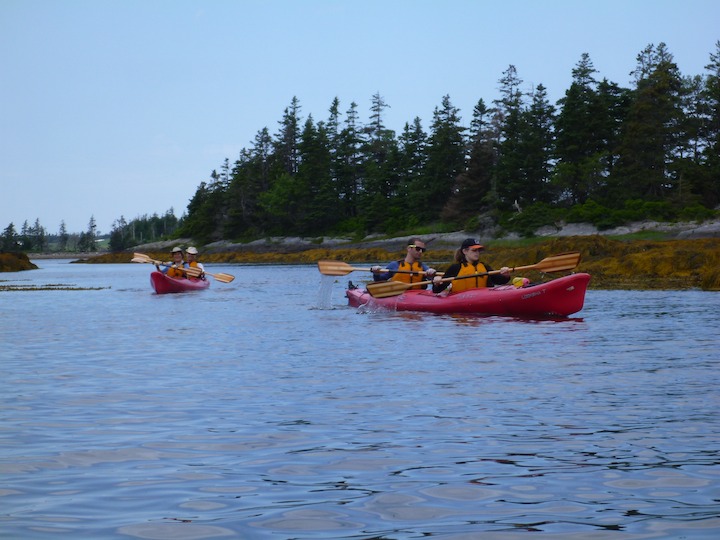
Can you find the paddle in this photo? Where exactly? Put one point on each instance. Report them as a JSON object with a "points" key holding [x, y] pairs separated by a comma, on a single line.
{"points": [[554, 263], [192, 272], [338, 268]]}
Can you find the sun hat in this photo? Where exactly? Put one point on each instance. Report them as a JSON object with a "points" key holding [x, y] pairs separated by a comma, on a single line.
{"points": [[471, 243], [176, 249], [192, 250]]}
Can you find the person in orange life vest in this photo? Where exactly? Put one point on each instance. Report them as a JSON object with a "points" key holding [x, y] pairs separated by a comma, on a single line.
{"points": [[411, 263], [173, 268], [192, 261], [467, 262]]}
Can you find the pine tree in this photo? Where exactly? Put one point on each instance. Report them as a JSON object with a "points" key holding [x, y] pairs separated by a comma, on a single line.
{"points": [[63, 237], [509, 117], [446, 151], [347, 163], [380, 182], [537, 144], [649, 136], [473, 193], [9, 238], [709, 188]]}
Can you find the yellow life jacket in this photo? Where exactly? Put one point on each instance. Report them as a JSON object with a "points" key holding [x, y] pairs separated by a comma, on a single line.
{"points": [[410, 278], [467, 269], [193, 264]]}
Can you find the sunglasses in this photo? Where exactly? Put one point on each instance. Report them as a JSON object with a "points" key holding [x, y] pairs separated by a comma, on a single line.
{"points": [[420, 249]]}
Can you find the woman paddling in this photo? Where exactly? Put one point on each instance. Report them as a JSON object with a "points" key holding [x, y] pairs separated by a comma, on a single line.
{"points": [[467, 263]]}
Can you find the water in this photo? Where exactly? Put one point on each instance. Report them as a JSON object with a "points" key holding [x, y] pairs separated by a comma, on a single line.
{"points": [[261, 409]]}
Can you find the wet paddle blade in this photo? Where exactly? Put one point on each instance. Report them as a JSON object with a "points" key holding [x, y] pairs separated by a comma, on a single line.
{"points": [[334, 268], [224, 278]]}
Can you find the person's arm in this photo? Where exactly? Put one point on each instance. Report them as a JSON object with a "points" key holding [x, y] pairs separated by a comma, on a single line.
{"points": [[498, 279], [384, 276], [440, 286], [429, 272]]}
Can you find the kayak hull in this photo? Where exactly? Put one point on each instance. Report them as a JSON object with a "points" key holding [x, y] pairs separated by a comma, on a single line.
{"points": [[163, 284], [557, 298]]}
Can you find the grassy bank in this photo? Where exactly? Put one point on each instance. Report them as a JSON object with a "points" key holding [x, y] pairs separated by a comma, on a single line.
{"points": [[613, 263]]}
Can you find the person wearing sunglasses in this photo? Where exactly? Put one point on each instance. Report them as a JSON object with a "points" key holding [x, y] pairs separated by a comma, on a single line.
{"points": [[467, 263], [411, 269]]}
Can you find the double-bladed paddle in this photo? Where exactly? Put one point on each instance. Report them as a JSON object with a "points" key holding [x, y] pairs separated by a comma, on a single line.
{"points": [[554, 263], [191, 271], [338, 268]]}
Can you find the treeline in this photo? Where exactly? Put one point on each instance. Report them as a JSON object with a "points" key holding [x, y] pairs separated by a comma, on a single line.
{"points": [[124, 234], [36, 238], [602, 154], [142, 230]]}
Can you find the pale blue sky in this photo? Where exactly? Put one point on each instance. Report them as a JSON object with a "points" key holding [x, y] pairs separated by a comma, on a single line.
{"points": [[122, 107]]}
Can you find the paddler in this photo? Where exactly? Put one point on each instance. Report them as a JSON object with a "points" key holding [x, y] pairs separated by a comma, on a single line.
{"points": [[467, 263], [411, 269], [192, 261], [173, 267]]}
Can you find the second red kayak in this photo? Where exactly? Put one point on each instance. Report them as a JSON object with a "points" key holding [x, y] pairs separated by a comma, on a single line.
{"points": [[560, 297], [163, 284]]}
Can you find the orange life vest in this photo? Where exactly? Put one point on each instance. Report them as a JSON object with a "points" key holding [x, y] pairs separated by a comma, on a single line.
{"points": [[410, 278], [467, 269], [175, 272]]}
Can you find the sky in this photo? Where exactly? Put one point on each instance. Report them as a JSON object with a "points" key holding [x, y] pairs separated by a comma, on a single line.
{"points": [[121, 108]]}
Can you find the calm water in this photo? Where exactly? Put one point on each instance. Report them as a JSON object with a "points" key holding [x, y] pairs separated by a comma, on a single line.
{"points": [[261, 409]]}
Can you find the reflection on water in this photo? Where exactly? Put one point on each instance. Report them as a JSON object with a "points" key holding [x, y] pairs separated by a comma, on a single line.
{"points": [[265, 408]]}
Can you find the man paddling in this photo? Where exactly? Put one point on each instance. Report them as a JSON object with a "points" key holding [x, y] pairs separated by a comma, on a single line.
{"points": [[192, 261], [411, 269]]}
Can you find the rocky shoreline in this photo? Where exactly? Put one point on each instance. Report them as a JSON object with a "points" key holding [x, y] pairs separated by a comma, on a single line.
{"points": [[292, 244]]}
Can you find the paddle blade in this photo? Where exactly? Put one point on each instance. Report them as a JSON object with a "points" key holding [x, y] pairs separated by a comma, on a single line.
{"points": [[560, 262], [383, 289], [334, 268], [224, 278], [192, 272], [141, 257]]}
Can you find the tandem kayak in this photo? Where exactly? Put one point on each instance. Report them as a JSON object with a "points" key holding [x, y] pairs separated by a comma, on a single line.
{"points": [[163, 284], [557, 298]]}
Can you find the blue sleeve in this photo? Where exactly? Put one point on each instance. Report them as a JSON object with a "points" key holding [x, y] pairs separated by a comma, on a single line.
{"points": [[392, 267]]}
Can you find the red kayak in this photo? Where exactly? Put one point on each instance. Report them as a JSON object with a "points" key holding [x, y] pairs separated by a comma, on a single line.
{"points": [[560, 297], [163, 284]]}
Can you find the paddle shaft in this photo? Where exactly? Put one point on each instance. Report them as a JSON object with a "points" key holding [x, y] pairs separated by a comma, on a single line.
{"points": [[339, 268]]}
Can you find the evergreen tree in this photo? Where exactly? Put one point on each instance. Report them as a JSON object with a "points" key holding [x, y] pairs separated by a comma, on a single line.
{"points": [[204, 211], [649, 140], [119, 235], [63, 237], [288, 138], [577, 145], [9, 238], [510, 159], [380, 182], [709, 186], [412, 167], [320, 212], [348, 162], [537, 147], [445, 161], [472, 193]]}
